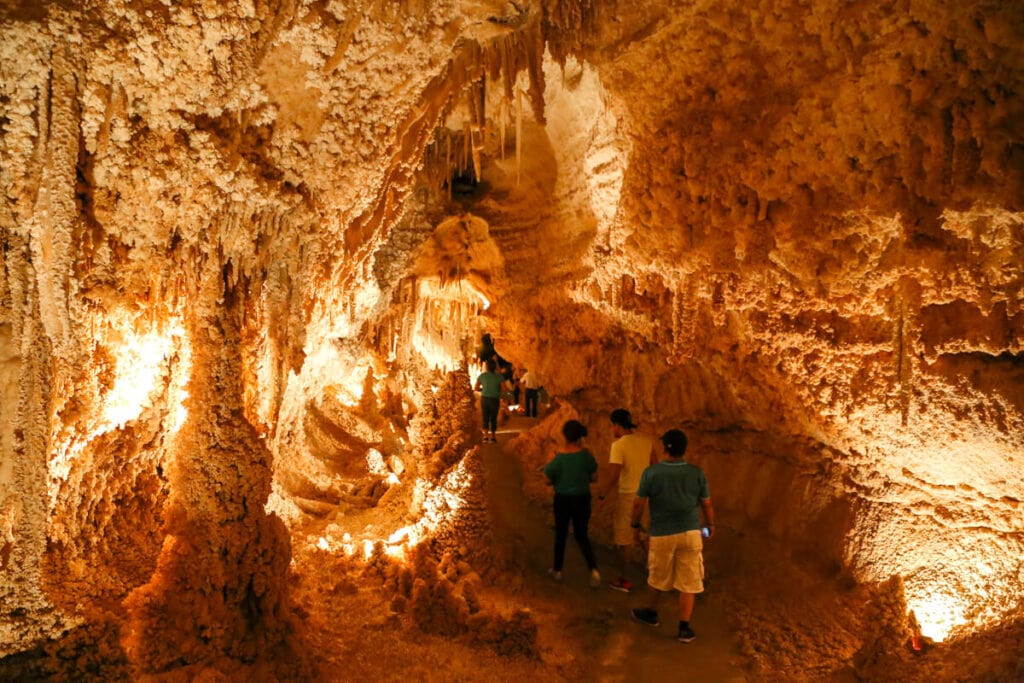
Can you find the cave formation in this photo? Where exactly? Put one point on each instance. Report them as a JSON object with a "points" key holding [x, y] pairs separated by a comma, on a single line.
{"points": [[250, 247]]}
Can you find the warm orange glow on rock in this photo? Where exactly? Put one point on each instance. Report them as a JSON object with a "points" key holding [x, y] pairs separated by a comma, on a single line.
{"points": [[138, 362], [937, 613]]}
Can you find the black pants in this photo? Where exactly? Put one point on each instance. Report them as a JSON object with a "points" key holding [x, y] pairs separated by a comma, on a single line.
{"points": [[575, 509], [532, 396], [489, 410]]}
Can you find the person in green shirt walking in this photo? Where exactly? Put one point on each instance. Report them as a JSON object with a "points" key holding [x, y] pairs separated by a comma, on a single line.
{"points": [[570, 474], [489, 385]]}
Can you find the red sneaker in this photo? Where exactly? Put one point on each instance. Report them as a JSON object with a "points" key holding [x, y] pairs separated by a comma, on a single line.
{"points": [[621, 584]]}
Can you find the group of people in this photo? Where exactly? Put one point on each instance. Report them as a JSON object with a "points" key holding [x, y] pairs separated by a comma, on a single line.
{"points": [[647, 474]]}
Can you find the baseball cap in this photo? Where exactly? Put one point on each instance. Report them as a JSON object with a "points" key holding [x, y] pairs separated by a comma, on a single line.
{"points": [[621, 417]]}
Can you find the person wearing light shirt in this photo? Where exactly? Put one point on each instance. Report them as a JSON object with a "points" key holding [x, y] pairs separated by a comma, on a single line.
{"points": [[532, 385], [631, 453]]}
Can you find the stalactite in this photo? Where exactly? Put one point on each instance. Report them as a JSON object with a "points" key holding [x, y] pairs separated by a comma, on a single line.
{"points": [[519, 134], [55, 210], [567, 23], [684, 323], [448, 163], [502, 114], [476, 150]]}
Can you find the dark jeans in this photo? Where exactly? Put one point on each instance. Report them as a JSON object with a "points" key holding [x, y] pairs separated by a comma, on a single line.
{"points": [[532, 396], [575, 509], [489, 410]]}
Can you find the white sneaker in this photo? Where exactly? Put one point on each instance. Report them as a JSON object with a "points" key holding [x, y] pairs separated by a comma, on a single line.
{"points": [[595, 578], [555, 574]]}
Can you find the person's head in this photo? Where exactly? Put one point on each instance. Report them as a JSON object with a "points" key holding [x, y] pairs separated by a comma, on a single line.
{"points": [[622, 421], [674, 442], [573, 431], [490, 365]]}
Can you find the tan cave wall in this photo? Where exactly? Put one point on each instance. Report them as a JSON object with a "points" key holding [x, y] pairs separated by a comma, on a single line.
{"points": [[793, 228], [815, 265]]}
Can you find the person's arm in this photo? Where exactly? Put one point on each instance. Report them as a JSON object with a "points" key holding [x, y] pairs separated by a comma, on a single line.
{"points": [[709, 516], [615, 471], [477, 386], [637, 514], [551, 470]]}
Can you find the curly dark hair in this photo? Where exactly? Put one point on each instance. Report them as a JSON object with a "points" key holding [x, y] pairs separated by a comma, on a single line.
{"points": [[674, 441], [573, 431]]}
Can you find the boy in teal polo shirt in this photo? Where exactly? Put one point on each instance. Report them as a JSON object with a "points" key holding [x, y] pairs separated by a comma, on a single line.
{"points": [[678, 493]]}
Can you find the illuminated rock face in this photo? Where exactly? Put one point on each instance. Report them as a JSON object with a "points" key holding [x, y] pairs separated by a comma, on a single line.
{"points": [[227, 227]]}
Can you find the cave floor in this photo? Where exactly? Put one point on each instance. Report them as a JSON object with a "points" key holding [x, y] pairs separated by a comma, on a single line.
{"points": [[582, 633], [594, 626]]}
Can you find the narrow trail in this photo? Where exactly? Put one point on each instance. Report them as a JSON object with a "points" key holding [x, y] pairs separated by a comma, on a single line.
{"points": [[595, 624]]}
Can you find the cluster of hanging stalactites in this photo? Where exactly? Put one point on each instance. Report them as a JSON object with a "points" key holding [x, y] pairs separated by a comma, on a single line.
{"points": [[455, 157]]}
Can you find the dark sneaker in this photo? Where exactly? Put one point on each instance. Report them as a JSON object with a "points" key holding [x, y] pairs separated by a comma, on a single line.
{"points": [[686, 634], [621, 584], [646, 616]]}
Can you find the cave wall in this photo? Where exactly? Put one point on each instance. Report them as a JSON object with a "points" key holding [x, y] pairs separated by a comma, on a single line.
{"points": [[815, 263]]}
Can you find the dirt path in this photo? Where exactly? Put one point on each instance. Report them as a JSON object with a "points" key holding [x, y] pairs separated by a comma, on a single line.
{"points": [[592, 628]]}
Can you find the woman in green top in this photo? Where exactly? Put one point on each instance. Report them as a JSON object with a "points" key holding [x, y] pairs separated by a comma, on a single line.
{"points": [[489, 385], [571, 473]]}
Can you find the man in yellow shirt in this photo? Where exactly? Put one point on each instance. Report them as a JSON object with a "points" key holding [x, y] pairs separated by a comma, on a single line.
{"points": [[631, 453]]}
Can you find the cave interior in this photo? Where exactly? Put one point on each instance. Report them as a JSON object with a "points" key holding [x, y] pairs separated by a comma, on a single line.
{"points": [[250, 248]]}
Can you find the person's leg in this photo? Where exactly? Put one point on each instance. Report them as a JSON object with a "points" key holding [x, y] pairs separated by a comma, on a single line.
{"points": [[531, 402], [483, 415], [686, 601], [688, 579], [648, 614], [490, 410], [580, 522], [623, 536], [652, 597], [625, 552], [562, 517], [659, 579], [486, 405]]}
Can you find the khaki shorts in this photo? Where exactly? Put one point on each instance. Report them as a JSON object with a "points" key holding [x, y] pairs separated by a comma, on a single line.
{"points": [[624, 518], [676, 562]]}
